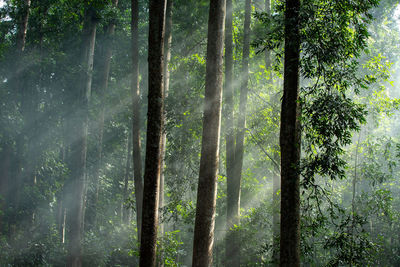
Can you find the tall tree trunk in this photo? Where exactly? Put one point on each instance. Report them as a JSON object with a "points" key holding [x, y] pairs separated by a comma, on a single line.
{"points": [[230, 133], [155, 123], [102, 88], [137, 158], [30, 109], [353, 202], [209, 161], [18, 85], [79, 146], [276, 186], [233, 203], [5, 180], [167, 59], [62, 198], [126, 193], [228, 94], [276, 183], [290, 137]]}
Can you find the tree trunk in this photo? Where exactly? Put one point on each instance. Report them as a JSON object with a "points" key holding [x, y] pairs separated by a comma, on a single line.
{"points": [[102, 88], [233, 248], [79, 146], [276, 186], [207, 188], [19, 86], [276, 183], [126, 193], [167, 58], [353, 202], [137, 158], [5, 180], [290, 141], [230, 133], [155, 123], [23, 24]]}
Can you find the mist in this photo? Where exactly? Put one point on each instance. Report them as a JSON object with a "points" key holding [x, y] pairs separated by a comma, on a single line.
{"points": [[273, 131]]}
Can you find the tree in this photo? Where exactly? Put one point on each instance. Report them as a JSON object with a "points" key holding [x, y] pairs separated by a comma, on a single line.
{"points": [[276, 184], [43, 116], [207, 188], [79, 145], [137, 158], [23, 24], [25, 102], [232, 209], [125, 210], [167, 59], [234, 181], [155, 124], [107, 49], [290, 141]]}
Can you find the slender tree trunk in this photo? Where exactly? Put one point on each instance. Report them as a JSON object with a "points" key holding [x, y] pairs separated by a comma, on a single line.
{"points": [[30, 109], [62, 198], [276, 183], [228, 94], [137, 158], [290, 141], [167, 59], [233, 203], [353, 202], [103, 85], [230, 136], [23, 24], [126, 210], [79, 146], [155, 123], [230, 133], [5, 180], [18, 84], [276, 186], [209, 161]]}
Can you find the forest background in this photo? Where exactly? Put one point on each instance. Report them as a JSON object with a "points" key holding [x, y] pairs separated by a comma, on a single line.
{"points": [[74, 83]]}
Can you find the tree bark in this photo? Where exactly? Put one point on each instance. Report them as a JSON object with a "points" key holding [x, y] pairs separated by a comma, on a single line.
{"points": [[79, 146], [126, 193], [167, 59], [137, 158], [23, 24], [290, 141], [228, 94], [102, 88], [18, 85], [233, 248], [276, 186], [209, 161], [230, 133], [155, 123], [5, 180], [276, 183]]}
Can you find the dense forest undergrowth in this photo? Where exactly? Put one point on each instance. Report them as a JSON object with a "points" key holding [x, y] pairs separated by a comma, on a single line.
{"points": [[199, 133]]}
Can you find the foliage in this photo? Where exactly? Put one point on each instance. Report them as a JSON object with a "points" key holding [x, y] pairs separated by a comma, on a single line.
{"points": [[350, 113]]}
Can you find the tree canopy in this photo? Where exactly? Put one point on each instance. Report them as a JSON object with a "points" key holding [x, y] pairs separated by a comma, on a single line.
{"points": [[115, 115]]}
